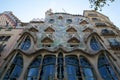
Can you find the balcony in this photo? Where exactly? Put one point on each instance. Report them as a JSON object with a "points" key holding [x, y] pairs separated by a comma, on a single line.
{"points": [[115, 44], [100, 24], [106, 32]]}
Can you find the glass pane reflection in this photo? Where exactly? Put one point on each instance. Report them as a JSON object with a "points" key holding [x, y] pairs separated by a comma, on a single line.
{"points": [[106, 69], [15, 69], [72, 66], [34, 69], [48, 70], [87, 69]]}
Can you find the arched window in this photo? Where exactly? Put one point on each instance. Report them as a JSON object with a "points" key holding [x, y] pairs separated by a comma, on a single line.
{"points": [[94, 44], [33, 69], [72, 67], [48, 69], [26, 44], [106, 69], [15, 68], [86, 69], [60, 68]]}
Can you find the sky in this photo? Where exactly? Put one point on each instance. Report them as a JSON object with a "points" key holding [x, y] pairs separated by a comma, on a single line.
{"points": [[26, 10]]}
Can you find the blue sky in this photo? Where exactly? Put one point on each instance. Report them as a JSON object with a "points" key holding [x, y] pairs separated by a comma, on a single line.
{"points": [[26, 10]]}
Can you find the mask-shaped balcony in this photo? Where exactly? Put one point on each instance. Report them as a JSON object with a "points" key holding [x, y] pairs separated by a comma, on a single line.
{"points": [[106, 32], [46, 43], [100, 24], [115, 44], [73, 42]]}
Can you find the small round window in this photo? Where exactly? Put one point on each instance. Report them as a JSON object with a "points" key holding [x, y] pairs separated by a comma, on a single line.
{"points": [[51, 21], [69, 21]]}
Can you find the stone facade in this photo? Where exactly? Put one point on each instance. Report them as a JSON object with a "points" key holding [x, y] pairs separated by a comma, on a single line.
{"points": [[63, 46]]}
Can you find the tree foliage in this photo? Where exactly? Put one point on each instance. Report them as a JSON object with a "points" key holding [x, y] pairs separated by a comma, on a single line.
{"points": [[98, 4]]}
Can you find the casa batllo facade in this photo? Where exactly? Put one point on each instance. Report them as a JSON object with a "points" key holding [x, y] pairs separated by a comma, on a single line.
{"points": [[63, 46]]}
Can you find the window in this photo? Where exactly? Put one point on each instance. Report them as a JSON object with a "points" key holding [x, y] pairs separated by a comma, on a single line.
{"points": [[26, 44], [4, 38], [48, 69], [87, 69], [33, 69], [114, 43], [107, 32], [60, 69], [106, 69], [72, 66], [69, 21], [51, 21], [94, 44], [95, 19], [15, 69], [100, 24], [7, 38]]}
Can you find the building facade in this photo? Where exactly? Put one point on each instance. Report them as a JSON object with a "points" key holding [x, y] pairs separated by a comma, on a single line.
{"points": [[63, 46]]}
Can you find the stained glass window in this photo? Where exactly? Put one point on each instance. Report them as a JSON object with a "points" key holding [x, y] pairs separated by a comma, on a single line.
{"points": [[72, 67], [15, 69], [106, 69], [34, 69], [87, 69], [95, 45], [26, 44], [48, 69]]}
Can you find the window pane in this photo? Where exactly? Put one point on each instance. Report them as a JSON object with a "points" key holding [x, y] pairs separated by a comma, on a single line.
{"points": [[36, 62], [18, 60], [33, 72], [15, 69], [105, 69], [89, 78], [6, 38], [32, 78], [34, 69], [48, 70], [73, 71], [16, 72], [88, 72], [26, 44], [94, 44], [87, 69]]}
